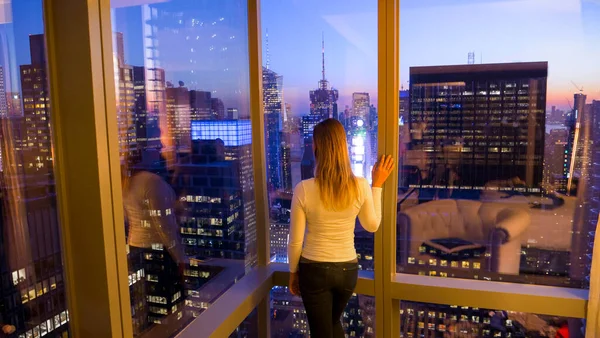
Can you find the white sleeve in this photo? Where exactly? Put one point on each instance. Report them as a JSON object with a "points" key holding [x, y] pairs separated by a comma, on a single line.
{"points": [[370, 211], [297, 228]]}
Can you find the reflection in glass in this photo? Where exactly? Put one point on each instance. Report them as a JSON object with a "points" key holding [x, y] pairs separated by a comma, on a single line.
{"points": [[288, 317], [434, 320], [181, 76], [334, 77], [498, 159], [33, 287]]}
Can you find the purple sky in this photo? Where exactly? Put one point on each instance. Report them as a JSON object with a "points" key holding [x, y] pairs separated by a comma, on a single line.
{"points": [[566, 33], [434, 32]]}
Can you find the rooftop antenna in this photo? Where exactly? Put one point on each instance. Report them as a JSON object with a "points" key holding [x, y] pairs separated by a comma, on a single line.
{"points": [[471, 59], [267, 45], [323, 53]]}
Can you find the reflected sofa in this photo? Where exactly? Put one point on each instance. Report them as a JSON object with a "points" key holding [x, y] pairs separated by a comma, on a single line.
{"points": [[496, 228]]}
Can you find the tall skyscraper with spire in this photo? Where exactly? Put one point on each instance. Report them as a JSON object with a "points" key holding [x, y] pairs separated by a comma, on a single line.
{"points": [[323, 105], [273, 107], [323, 100]]}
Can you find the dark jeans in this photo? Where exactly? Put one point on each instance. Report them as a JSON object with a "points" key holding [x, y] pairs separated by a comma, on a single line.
{"points": [[326, 289]]}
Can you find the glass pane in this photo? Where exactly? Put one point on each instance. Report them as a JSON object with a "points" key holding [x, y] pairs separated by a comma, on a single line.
{"points": [[434, 320], [288, 317], [181, 75], [326, 69], [30, 244], [499, 136], [248, 328]]}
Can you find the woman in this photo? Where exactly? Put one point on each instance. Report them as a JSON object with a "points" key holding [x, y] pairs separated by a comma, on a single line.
{"points": [[324, 272]]}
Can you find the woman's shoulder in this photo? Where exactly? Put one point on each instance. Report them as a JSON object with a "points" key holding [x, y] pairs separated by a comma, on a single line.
{"points": [[306, 183], [362, 182]]}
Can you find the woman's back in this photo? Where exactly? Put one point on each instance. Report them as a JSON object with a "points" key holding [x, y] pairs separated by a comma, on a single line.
{"points": [[329, 234]]}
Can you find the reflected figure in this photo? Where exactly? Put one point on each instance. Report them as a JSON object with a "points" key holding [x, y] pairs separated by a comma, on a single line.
{"points": [[154, 248], [322, 256]]}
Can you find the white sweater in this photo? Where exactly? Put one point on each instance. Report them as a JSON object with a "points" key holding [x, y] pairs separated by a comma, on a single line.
{"points": [[329, 234]]}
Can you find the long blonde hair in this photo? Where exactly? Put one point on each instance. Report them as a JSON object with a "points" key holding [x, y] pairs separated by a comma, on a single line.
{"points": [[338, 187]]}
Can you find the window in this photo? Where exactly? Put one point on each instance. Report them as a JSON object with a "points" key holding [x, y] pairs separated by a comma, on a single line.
{"points": [[248, 328], [288, 317], [182, 90], [30, 239], [435, 320], [506, 192], [333, 74]]}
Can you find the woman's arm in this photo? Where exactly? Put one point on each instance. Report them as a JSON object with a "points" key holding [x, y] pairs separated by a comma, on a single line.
{"points": [[370, 211], [297, 228]]}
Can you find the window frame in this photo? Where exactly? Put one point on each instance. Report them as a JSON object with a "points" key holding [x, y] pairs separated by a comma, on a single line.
{"points": [[82, 116]]}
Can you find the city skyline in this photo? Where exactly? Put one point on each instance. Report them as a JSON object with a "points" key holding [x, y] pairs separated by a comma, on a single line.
{"points": [[550, 33]]}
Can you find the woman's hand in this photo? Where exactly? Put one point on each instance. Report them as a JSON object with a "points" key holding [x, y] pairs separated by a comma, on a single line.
{"points": [[382, 170], [294, 284]]}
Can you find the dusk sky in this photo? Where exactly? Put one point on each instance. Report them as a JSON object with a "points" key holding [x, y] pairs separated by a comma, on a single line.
{"points": [[566, 33]]}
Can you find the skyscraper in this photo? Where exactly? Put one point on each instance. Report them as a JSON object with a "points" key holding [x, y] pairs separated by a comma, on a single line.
{"points": [[148, 110], [360, 105], [588, 187], [222, 217], [323, 100], [37, 145], [577, 153], [323, 105], [218, 109], [179, 117], [4, 112], [31, 250], [474, 124], [307, 165], [273, 108], [125, 97], [201, 105]]}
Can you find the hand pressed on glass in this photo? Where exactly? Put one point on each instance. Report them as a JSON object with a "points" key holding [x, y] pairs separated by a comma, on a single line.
{"points": [[382, 170], [294, 284]]}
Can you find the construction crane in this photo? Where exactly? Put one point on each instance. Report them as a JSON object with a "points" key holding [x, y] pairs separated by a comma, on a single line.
{"points": [[576, 86], [569, 102]]}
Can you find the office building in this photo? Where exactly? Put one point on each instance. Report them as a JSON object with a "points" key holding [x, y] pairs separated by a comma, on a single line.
{"points": [[588, 187], [273, 109], [280, 209], [4, 108], [148, 111], [481, 122], [218, 109], [577, 151], [37, 143], [34, 288], [272, 122], [201, 105], [223, 216], [308, 157], [179, 117], [125, 96], [360, 105]]}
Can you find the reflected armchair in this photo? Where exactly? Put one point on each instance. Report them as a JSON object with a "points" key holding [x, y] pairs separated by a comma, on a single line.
{"points": [[496, 228]]}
